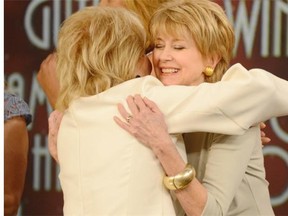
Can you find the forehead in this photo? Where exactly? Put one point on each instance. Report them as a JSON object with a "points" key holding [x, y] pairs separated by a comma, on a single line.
{"points": [[176, 34]]}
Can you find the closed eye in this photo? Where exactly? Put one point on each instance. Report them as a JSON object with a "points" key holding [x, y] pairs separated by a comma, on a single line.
{"points": [[179, 47], [159, 46]]}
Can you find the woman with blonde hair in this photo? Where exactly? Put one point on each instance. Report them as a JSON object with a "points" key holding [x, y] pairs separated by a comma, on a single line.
{"points": [[225, 175], [98, 49], [47, 77], [105, 171]]}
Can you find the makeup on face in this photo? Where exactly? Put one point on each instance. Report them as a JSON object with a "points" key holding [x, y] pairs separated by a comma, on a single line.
{"points": [[177, 60]]}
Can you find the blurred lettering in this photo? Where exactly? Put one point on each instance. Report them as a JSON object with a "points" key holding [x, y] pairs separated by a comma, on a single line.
{"points": [[245, 25], [40, 153], [278, 130], [49, 13], [281, 153]]}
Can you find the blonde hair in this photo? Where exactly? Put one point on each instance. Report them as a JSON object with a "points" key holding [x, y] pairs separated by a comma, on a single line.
{"points": [[98, 48], [207, 24], [145, 10]]}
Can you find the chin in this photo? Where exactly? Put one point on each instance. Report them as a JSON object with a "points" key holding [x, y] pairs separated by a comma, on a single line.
{"points": [[169, 82]]}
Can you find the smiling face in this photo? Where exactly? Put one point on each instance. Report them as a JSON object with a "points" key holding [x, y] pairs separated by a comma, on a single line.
{"points": [[177, 61], [188, 36]]}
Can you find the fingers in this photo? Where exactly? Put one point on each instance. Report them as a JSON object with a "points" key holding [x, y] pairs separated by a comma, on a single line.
{"points": [[122, 124], [135, 104], [263, 134], [54, 120], [265, 140], [151, 105], [132, 105], [262, 125], [139, 101], [123, 112]]}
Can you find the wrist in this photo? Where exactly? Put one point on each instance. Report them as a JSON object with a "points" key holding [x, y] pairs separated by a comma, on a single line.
{"points": [[169, 157], [162, 146], [181, 180]]}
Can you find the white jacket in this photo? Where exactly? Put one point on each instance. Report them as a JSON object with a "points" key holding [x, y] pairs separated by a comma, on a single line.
{"points": [[105, 171]]}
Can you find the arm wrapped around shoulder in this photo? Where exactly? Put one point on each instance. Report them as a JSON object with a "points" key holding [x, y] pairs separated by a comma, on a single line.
{"points": [[262, 96]]}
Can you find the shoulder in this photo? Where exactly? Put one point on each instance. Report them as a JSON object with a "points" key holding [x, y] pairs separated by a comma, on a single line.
{"points": [[148, 80], [15, 106], [235, 71]]}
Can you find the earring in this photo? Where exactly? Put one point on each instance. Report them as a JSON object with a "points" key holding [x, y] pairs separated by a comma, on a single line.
{"points": [[208, 71]]}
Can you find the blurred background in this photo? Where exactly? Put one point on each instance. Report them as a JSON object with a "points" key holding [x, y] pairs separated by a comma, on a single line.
{"points": [[30, 33]]}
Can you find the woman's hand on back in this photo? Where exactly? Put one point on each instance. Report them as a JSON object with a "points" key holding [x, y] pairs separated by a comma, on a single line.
{"points": [[146, 122]]}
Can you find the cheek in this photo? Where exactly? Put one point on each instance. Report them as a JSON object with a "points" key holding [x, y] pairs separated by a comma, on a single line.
{"points": [[193, 63], [154, 58], [193, 73]]}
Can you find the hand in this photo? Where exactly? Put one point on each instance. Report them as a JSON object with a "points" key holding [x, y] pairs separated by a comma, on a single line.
{"points": [[264, 139], [54, 124], [47, 78], [146, 122]]}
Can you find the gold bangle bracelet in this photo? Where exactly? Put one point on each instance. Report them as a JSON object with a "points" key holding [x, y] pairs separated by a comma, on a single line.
{"points": [[181, 180]]}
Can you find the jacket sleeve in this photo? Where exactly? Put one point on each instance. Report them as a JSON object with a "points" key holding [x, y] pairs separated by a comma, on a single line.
{"points": [[226, 165], [240, 100]]}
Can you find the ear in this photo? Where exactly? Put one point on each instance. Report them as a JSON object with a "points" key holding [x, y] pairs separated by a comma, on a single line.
{"points": [[213, 60]]}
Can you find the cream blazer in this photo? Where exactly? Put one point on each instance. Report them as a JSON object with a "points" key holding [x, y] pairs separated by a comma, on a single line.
{"points": [[105, 171]]}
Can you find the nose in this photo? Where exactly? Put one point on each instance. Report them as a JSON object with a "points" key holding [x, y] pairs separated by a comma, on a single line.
{"points": [[166, 55]]}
